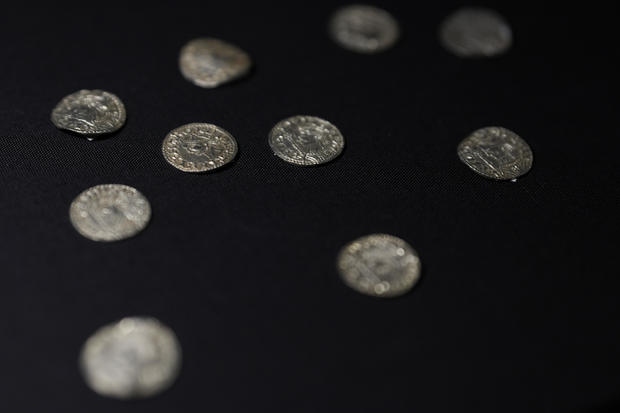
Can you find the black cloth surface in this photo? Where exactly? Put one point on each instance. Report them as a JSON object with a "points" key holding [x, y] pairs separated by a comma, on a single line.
{"points": [[517, 309]]}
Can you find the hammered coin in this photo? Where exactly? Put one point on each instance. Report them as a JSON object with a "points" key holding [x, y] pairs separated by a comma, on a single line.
{"points": [[89, 112], [475, 32], [135, 357], [496, 153], [199, 147], [209, 62], [306, 140], [363, 29], [379, 265], [110, 212]]}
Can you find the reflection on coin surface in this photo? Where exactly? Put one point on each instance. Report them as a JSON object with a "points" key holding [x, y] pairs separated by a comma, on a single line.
{"points": [[306, 140], [199, 147], [110, 212], [133, 358], [475, 32], [363, 29], [89, 112], [496, 152], [380, 265], [209, 62]]}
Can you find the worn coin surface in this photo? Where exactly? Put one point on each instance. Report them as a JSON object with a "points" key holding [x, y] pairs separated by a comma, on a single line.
{"points": [[496, 152], [199, 147], [380, 265], [110, 212], [306, 140], [135, 357], [209, 62], [475, 32], [363, 29], [89, 112]]}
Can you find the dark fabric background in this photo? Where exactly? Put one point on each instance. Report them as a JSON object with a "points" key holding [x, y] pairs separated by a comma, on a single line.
{"points": [[517, 310]]}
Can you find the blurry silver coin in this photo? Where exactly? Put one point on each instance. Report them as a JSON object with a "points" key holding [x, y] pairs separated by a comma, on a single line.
{"points": [[306, 140], [496, 152], [135, 357], [89, 112], [475, 32], [379, 265], [199, 147], [110, 212], [363, 29], [209, 62]]}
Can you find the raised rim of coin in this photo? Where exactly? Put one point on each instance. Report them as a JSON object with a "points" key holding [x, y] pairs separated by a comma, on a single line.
{"points": [[63, 116]]}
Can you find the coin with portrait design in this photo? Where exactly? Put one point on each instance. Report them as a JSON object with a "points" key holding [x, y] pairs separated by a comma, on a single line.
{"points": [[90, 113], [363, 29]]}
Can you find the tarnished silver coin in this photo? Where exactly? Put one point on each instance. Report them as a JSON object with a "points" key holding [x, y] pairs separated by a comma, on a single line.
{"points": [[475, 32], [199, 147], [90, 112], [135, 357], [380, 265], [209, 62], [110, 212], [363, 29], [496, 152], [306, 140]]}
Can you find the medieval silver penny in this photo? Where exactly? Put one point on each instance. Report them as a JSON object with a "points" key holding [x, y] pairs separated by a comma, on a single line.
{"points": [[110, 212], [475, 32], [496, 152], [363, 29], [379, 265], [209, 62], [306, 140], [135, 357], [199, 147], [89, 112]]}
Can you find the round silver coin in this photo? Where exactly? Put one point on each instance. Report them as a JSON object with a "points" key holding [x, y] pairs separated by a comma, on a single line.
{"points": [[380, 265], [475, 32], [135, 357], [496, 152], [306, 140], [363, 29], [90, 112], [209, 62], [199, 147], [110, 212]]}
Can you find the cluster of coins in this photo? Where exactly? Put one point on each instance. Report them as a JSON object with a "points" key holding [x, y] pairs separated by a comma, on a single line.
{"points": [[139, 356]]}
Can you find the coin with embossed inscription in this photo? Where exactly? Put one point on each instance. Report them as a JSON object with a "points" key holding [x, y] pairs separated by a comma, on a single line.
{"points": [[90, 113], [209, 62], [306, 140], [363, 29], [199, 147], [110, 212], [379, 265], [135, 357]]}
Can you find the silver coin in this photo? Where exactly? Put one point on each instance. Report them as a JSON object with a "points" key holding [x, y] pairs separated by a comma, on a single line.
{"points": [[306, 140], [475, 32], [199, 147], [135, 357], [110, 212], [209, 62], [496, 152], [380, 265], [89, 112], [363, 29]]}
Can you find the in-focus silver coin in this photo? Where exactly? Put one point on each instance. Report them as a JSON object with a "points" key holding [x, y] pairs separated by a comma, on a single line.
{"points": [[199, 147], [475, 32], [110, 212], [89, 112], [209, 62], [496, 152], [380, 265], [363, 29], [306, 140], [135, 357]]}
